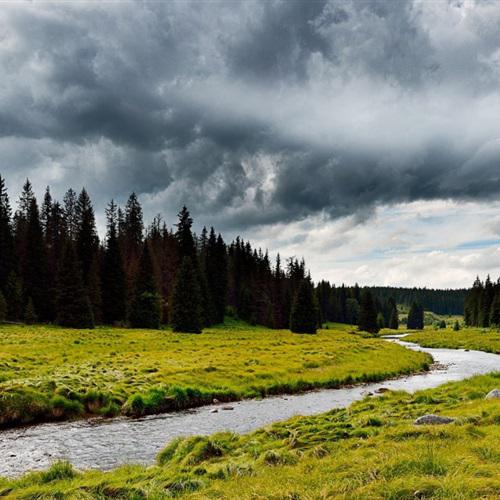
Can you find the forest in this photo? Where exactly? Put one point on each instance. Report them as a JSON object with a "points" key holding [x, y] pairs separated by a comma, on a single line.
{"points": [[55, 269]]}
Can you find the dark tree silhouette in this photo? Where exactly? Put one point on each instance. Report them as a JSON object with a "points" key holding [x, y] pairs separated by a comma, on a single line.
{"points": [[304, 315]]}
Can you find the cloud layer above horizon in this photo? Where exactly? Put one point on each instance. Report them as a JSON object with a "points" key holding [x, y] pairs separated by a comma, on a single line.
{"points": [[257, 115]]}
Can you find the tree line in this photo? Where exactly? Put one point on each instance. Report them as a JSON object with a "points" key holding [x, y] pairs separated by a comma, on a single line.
{"points": [[367, 307], [482, 304], [54, 268], [445, 302]]}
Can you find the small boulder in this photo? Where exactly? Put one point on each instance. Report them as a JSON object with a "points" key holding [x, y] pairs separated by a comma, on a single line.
{"points": [[215, 401], [215, 411], [493, 394], [431, 419], [227, 408], [382, 390]]}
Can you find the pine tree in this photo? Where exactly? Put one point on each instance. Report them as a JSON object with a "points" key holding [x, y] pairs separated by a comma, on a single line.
{"points": [[216, 276], [34, 272], [184, 235], [73, 305], [380, 320], [304, 315], [70, 201], [3, 308], [456, 326], [30, 316], [352, 311], [114, 294], [145, 309], [185, 312], [14, 297], [7, 254], [86, 238], [393, 315], [94, 291], [495, 311], [415, 317], [394, 320], [367, 313]]}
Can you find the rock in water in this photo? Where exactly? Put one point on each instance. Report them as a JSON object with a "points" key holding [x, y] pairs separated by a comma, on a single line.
{"points": [[493, 394], [433, 420]]}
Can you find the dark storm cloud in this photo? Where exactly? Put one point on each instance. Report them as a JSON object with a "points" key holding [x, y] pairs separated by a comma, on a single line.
{"points": [[254, 112]]}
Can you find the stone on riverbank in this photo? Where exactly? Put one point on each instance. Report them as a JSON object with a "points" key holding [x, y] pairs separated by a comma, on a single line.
{"points": [[431, 419]]}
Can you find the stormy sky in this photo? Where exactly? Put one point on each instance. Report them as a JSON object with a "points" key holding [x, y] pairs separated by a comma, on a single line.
{"points": [[362, 135]]}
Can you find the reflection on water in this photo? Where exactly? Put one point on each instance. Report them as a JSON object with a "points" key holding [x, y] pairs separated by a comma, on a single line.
{"points": [[104, 444]]}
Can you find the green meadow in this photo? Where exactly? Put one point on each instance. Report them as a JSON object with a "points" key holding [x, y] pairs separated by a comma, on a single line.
{"points": [[371, 450], [479, 339], [51, 373]]}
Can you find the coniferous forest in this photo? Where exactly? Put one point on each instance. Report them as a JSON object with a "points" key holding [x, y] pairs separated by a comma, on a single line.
{"points": [[54, 268], [482, 304]]}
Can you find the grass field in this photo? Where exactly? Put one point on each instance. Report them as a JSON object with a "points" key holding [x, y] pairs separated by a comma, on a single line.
{"points": [[370, 450], [469, 338], [49, 373]]}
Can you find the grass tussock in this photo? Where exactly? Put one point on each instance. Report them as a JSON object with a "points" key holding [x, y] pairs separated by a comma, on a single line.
{"points": [[370, 450], [484, 339], [51, 373]]}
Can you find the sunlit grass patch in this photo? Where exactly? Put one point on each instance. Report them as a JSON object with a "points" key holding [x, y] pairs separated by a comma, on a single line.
{"points": [[484, 339], [49, 373]]}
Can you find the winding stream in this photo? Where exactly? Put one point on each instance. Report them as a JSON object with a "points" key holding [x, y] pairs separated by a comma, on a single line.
{"points": [[104, 444]]}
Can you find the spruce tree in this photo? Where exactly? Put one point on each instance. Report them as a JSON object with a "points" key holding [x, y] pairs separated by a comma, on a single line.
{"points": [[7, 254], [70, 201], [185, 311], [304, 314], [86, 238], [184, 235], [495, 311], [30, 316], [415, 317], [394, 320], [34, 272], [145, 309], [3, 307], [114, 293], [393, 315], [367, 313], [14, 298], [73, 305]]}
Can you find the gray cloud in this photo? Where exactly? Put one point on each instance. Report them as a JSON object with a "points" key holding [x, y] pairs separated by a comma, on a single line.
{"points": [[254, 112]]}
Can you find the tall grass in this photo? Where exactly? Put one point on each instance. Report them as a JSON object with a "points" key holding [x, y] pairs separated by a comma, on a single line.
{"points": [[49, 373]]}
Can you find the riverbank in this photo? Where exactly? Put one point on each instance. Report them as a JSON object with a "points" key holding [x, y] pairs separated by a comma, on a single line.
{"points": [[372, 449], [50, 373], [479, 339]]}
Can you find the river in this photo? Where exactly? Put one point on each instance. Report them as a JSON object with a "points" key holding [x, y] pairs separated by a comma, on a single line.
{"points": [[104, 444]]}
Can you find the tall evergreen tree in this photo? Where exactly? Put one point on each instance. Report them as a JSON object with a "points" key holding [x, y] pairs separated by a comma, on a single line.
{"points": [[34, 272], [368, 313], [7, 253], [114, 294], [14, 297], [216, 273], [86, 238], [184, 235], [186, 297], [415, 317], [145, 311], [70, 202], [304, 315], [73, 305], [393, 323]]}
